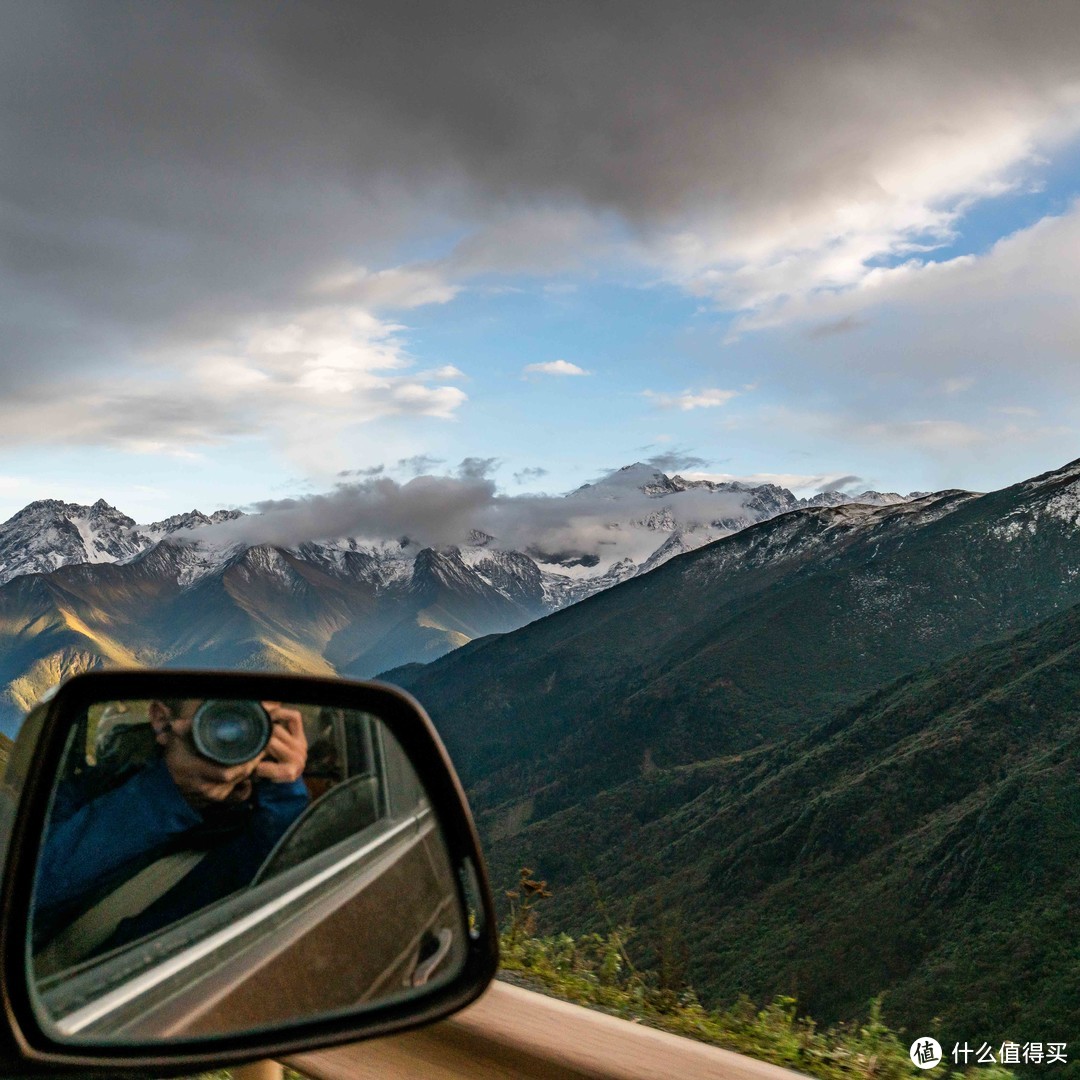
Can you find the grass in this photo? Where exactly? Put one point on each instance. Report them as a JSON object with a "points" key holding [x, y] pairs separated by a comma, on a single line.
{"points": [[595, 970]]}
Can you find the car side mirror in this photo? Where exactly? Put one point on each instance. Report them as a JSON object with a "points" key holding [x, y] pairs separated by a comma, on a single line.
{"points": [[208, 867]]}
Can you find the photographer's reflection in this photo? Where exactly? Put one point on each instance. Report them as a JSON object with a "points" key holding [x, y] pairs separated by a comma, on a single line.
{"points": [[165, 823]]}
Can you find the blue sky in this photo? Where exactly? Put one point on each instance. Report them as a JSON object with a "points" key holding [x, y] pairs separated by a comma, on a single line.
{"points": [[852, 257]]}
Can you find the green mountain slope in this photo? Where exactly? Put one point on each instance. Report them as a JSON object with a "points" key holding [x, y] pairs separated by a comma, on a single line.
{"points": [[923, 842], [749, 640], [264, 608]]}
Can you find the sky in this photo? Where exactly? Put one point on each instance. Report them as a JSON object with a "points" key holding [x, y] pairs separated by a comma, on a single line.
{"points": [[258, 253]]}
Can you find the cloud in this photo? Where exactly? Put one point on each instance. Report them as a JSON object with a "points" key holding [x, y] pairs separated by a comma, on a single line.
{"points": [[477, 468], [827, 330], [676, 461], [604, 520], [374, 470], [419, 463], [958, 384], [534, 472], [842, 483], [925, 434], [197, 195], [446, 371], [802, 484], [186, 169], [305, 377], [555, 367], [430, 510], [710, 398], [399, 287], [947, 347], [531, 239]]}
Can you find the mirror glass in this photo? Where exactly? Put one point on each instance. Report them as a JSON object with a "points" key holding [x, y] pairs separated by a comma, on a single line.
{"points": [[211, 866]]}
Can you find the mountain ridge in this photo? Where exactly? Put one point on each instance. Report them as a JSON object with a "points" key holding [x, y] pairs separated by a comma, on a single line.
{"points": [[729, 643], [891, 847], [87, 586]]}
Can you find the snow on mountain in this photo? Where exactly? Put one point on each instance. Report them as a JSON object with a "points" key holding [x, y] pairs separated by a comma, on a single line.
{"points": [[49, 533], [1054, 495], [867, 498], [642, 518], [630, 478]]}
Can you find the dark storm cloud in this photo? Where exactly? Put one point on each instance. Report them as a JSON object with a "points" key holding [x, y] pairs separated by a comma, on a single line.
{"points": [[171, 162]]}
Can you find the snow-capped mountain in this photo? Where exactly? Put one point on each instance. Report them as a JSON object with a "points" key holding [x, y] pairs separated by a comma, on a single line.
{"points": [[768, 631], [48, 534], [635, 504], [86, 586]]}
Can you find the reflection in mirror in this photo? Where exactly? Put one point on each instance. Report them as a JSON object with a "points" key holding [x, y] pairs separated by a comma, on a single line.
{"points": [[215, 866]]}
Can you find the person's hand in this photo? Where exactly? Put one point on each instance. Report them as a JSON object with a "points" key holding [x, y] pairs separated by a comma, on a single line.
{"points": [[202, 783], [285, 756]]}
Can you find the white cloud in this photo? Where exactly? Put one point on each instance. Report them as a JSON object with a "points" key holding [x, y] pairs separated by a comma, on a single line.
{"points": [[957, 385], [446, 371], [555, 367], [907, 192], [709, 398], [605, 520], [924, 434], [1014, 311], [799, 483], [301, 380], [399, 287]]}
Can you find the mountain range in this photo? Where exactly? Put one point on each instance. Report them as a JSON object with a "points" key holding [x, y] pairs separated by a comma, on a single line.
{"points": [[86, 586], [921, 843], [831, 755], [752, 637]]}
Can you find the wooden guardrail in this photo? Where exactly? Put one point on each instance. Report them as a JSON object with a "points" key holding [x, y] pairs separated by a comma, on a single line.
{"points": [[511, 1032]]}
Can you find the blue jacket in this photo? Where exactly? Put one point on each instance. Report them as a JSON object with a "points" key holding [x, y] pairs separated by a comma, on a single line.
{"points": [[94, 844]]}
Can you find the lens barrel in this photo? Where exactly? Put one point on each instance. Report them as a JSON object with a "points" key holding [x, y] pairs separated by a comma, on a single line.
{"points": [[230, 732]]}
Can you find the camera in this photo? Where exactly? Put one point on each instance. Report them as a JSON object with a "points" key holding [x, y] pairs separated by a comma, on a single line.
{"points": [[230, 732]]}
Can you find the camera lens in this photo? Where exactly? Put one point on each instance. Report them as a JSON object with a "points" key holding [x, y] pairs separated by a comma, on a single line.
{"points": [[230, 732]]}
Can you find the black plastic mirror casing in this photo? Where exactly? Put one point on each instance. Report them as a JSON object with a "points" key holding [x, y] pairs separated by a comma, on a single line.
{"points": [[26, 1049]]}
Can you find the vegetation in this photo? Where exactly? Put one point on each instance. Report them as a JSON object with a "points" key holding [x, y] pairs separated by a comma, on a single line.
{"points": [[920, 843], [595, 970]]}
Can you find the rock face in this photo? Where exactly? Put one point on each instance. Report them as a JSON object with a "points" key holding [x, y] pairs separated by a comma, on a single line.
{"points": [[742, 641], [106, 589], [918, 844], [834, 751], [49, 533]]}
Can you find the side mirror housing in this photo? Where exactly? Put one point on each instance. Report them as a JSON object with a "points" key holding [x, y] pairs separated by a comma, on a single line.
{"points": [[206, 868]]}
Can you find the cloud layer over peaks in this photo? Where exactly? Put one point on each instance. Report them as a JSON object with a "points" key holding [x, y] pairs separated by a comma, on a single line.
{"points": [[605, 520], [217, 219]]}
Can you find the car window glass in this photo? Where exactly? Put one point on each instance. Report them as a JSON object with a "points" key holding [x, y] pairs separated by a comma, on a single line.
{"points": [[174, 823]]}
